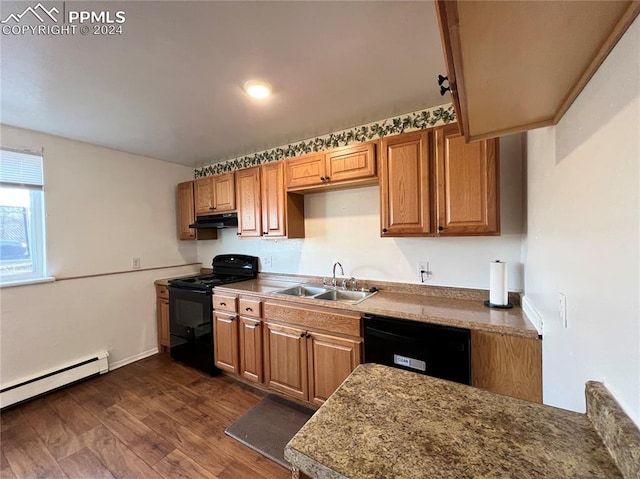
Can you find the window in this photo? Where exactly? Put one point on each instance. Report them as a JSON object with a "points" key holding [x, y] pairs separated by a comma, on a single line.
{"points": [[22, 238]]}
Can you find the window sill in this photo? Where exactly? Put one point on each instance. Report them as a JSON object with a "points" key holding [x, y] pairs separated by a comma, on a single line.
{"points": [[24, 282]]}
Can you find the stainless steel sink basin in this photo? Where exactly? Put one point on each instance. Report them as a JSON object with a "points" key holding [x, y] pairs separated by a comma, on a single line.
{"points": [[351, 297], [303, 290]]}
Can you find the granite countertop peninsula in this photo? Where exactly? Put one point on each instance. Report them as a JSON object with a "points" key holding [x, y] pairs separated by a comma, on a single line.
{"points": [[446, 306], [384, 423]]}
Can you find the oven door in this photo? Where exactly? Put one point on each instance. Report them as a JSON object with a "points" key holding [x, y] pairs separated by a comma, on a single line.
{"points": [[191, 328]]}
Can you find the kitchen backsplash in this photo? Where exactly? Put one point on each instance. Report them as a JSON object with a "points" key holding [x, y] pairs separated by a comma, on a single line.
{"points": [[417, 120]]}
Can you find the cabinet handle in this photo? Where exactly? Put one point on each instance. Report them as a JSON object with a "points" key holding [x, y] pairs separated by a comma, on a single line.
{"points": [[384, 230], [302, 335], [238, 233], [212, 207], [253, 326], [322, 178], [440, 228], [265, 233], [248, 309], [223, 304], [326, 178]]}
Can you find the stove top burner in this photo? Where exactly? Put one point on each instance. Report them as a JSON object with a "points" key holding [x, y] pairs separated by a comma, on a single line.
{"points": [[227, 269]]}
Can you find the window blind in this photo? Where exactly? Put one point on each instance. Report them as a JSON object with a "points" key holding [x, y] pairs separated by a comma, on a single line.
{"points": [[21, 168]]}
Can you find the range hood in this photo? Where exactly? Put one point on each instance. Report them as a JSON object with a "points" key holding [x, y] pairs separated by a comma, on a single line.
{"points": [[219, 221]]}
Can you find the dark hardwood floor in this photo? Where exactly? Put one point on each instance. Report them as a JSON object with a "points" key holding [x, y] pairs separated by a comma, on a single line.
{"points": [[154, 418]]}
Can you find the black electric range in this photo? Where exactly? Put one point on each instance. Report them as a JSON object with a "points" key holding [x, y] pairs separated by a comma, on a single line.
{"points": [[191, 309]]}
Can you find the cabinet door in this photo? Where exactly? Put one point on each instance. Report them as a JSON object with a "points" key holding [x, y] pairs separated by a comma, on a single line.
{"points": [[251, 349], [163, 324], [404, 185], [306, 171], [285, 360], [225, 341], [185, 211], [273, 199], [331, 360], [224, 193], [204, 196], [248, 201], [351, 163], [467, 184]]}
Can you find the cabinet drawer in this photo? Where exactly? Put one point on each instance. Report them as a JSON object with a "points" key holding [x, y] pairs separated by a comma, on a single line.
{"points": [[320, 319], [223, 302], [250, 307], [162, 292]]}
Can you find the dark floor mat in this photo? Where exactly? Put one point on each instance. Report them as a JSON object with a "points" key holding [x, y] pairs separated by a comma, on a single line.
{"points": [[269, 426]]}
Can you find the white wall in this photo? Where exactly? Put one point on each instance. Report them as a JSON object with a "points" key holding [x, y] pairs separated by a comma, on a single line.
{"points": [[103, 207], [345, 226], [584, 235]]}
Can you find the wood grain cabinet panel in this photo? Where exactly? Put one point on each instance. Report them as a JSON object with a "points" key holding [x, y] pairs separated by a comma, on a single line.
{"points": [[273, 200], [343, 167], [404, 185], [285, 358], [225, 340], [467, 184], [186, 214], [507, 365], [331, 360], [351, 163], [162, 316], [248, 199], [215, 194], [306, 171], [554, 48], [251, 349]]}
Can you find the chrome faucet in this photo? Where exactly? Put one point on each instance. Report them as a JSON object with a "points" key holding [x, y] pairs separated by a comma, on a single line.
{"points": [[333, 281]]}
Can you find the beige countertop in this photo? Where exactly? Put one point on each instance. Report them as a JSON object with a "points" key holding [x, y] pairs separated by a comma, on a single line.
{"points": [[384, 423], [465, 313]]}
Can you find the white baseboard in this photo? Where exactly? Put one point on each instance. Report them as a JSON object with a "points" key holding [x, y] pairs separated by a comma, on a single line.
{"points": [[132, 359], [532, 314]]}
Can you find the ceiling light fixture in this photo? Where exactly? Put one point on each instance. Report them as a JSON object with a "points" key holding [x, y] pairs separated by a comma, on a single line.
{"points": [[257, 89]]}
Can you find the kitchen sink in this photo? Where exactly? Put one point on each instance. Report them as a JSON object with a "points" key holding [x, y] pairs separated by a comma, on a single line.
{"points": [[326, 294], [352, 297], [303, 290]]}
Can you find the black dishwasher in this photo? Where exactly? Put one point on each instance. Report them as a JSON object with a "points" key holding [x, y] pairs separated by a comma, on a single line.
{"points": [[440, 351]]}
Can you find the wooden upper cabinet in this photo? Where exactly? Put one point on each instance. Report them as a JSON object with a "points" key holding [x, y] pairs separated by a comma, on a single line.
{"points": [[515, 66], [224, 192], [306, 171], [215, 194], [273, 199], [204, 196], [282, 212], [248, 200], [185, 209], [404, 185], [467, 184], [351, 163], [340, 168]]}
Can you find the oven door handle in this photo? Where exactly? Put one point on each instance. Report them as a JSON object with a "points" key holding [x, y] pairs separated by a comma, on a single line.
{"points": [[189, 291]]}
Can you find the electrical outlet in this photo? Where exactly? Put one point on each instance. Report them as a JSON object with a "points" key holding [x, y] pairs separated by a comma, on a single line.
{"points": [[135, 263], [267, 261], [423, 271], [562, 309]]}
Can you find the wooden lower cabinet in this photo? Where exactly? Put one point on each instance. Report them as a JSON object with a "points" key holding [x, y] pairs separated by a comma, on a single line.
{"points": [[225, 340], [251, 349], [507, 365], [285, 360], [331, 360], [307, 365], [162, 314]]}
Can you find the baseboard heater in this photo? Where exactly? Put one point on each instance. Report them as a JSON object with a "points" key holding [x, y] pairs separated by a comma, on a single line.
{"points": [[53, 379]]}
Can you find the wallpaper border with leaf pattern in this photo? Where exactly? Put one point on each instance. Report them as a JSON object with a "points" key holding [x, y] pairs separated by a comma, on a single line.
{"points": [[417, 120]]}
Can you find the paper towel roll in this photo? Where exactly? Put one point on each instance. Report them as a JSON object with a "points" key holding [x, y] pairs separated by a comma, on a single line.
{"points": [[498, 283]]}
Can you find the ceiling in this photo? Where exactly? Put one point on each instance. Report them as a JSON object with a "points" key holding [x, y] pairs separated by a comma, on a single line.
{"points": [[170, 86]]}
